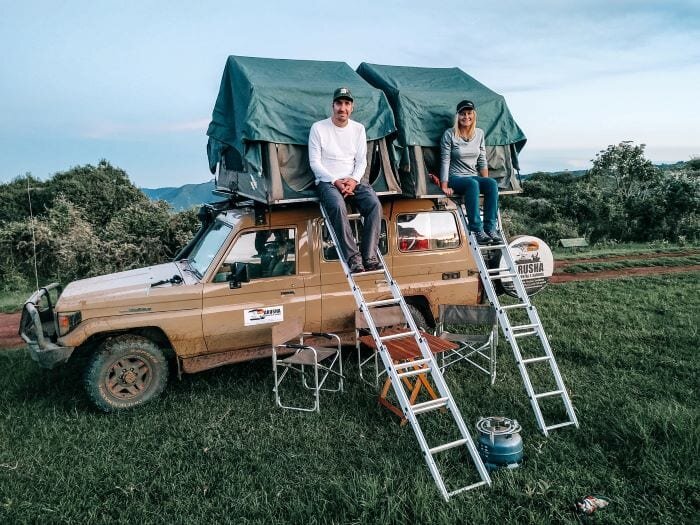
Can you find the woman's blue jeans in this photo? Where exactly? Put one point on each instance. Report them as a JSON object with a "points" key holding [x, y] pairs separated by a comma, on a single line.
{"points": [[470, 187]]}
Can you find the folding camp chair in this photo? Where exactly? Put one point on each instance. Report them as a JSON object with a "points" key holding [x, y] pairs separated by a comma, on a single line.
{"points": [[316, 362], [476, 349]]}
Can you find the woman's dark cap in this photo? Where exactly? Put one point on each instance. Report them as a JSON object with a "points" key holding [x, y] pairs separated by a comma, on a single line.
{"points": [[465, 104]]}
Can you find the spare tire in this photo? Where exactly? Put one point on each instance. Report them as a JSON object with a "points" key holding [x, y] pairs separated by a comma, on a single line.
{"points": [[534, 261]]}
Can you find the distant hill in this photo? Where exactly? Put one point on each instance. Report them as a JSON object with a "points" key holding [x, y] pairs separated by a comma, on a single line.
{"points": [[575, 173], [184, 197]]}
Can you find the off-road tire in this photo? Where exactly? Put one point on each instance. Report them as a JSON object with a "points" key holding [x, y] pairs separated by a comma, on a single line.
{"points": [[418, 317], [125, 372]]}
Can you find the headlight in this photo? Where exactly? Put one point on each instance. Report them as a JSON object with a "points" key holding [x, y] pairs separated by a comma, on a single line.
{"points": [[67, 321]]}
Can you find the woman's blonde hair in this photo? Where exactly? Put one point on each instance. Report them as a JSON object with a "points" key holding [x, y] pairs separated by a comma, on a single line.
{"points": [[469, 132]]}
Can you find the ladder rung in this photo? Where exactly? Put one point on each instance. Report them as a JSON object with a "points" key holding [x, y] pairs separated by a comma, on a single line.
{"points": [[535, 359], [560, 425], [414, 372], [383, 302], [496, 270], [406, 364], [502, 275], [400, 335], [371, 272], [489, 247], [511, 306], [525, 334], [429, 405], [354, 215], [547, 394], [468, 487], [524, 327], [448, 446]]}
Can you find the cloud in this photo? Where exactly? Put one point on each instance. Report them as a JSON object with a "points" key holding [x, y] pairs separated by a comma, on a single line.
{"points": [[113, 130]]}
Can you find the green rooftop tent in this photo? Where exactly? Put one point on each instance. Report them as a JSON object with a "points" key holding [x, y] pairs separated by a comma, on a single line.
{"points": [[424, 101], [260, 126]]}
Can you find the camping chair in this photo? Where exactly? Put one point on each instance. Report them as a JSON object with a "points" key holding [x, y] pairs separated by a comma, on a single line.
{"points": [[476, 349], [317, 361]]}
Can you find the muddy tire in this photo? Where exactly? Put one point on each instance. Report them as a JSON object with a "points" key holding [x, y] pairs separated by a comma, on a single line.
{"points": [[125, 372], [418, 317]]}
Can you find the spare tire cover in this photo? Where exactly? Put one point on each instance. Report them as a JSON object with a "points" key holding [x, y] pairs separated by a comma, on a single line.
{"points": [[534, 262]]}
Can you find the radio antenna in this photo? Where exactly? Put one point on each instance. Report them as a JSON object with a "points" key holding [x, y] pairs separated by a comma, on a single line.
{"points": [[31, 228]]}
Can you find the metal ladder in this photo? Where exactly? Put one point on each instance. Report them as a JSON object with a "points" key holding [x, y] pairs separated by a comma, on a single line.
{"points": [[426, 364], [514, 332]]}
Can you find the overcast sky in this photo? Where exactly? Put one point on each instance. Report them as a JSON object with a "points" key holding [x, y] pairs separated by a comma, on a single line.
{"points": [[135, 81]]}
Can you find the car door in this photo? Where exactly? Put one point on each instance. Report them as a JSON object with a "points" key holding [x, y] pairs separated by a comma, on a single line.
{"points": [[242, 317], [338, 302]]}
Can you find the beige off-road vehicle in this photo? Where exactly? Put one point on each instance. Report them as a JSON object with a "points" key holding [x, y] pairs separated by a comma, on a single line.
{"points": [[268, 259], [248, 268]]}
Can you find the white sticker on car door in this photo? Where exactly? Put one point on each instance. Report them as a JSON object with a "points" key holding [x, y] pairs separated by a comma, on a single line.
{"points": [[269, 314]]}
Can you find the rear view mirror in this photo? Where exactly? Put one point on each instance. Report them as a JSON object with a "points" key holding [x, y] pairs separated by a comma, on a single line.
{"points": [[239, 274]]}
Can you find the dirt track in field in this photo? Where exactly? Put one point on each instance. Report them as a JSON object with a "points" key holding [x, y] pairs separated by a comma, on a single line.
{"points": [[9, 323]]}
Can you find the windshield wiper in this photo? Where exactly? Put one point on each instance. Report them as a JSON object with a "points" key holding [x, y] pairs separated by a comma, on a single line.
{"points": [[175, 279], [191, 269]]}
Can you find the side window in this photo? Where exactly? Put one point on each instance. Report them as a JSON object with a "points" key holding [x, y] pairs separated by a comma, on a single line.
{"points": [[427, 231], [329, 253], [268, 253]]}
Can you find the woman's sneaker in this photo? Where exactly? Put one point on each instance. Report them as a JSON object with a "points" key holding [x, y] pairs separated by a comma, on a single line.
{"points": [[495, 237], [482, 238]]}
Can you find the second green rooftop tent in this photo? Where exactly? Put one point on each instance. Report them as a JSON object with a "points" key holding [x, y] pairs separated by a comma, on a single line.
{"points": [[424, 101], [260, 126]]}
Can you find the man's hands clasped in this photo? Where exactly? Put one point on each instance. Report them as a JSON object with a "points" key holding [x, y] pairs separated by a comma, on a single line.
{"points": [[346, 186]]}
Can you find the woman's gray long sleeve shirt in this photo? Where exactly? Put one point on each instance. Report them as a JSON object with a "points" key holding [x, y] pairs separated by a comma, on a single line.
{"points": [[460, 157]]}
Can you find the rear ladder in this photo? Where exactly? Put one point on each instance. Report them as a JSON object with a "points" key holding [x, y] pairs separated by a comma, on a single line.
{"points": [[507, 269]]}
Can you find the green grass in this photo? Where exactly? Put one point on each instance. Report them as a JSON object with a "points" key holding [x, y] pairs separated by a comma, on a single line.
{"points": [[610, 249], [632, 263], [11, 302], [214, 449]]}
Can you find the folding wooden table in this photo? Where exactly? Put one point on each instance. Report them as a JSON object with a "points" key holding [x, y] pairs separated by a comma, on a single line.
{"points": [[406, 349]]}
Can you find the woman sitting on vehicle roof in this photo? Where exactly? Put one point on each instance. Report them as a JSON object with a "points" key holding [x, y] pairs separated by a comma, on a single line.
{"points": [[464, 170]]}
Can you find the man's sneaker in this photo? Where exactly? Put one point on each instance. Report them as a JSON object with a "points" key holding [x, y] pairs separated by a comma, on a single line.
{"points": [[495, 236], [356, 266], [482, 238], [373, 265]]}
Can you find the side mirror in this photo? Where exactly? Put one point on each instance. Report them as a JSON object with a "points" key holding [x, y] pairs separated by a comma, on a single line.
{"points": [[239, 274]]}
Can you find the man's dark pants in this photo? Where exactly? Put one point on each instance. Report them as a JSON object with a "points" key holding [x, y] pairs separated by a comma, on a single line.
{"points": [[367, 203]]}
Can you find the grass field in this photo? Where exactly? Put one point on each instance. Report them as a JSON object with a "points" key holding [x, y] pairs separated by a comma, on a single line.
{"points": [[214, 449], [632, 263], [610, 249]]}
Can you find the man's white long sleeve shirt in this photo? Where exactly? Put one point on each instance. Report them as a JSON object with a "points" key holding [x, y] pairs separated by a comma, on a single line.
{"points": [[335, 152]]}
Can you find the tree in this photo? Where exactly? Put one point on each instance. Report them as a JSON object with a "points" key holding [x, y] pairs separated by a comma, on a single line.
{"points": [[624, 169]]}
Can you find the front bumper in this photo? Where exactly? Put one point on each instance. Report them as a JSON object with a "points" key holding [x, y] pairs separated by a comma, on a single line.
{"points": [[31, 329]]}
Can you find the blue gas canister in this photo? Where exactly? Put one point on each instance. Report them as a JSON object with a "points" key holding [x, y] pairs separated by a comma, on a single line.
{"points": [[499, 443]]}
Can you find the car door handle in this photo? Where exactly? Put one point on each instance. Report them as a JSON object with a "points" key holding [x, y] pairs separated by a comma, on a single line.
{"points": [[287, 292]]}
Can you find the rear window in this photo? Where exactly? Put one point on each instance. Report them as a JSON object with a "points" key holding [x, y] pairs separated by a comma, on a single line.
{"points": [[436, 230]]}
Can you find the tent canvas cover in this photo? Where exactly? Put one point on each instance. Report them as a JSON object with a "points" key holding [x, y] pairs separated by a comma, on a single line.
{"points": [[261, 120], [424, 101]]}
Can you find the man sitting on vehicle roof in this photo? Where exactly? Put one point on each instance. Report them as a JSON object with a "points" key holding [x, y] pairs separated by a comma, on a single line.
{"points": [[338, 158]]}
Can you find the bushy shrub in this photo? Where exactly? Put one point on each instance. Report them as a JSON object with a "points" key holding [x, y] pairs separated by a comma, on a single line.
{"points": [[623, 197], [87, 221]]}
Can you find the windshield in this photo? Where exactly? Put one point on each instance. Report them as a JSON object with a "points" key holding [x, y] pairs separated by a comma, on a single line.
{"points": [[207, 247]]}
